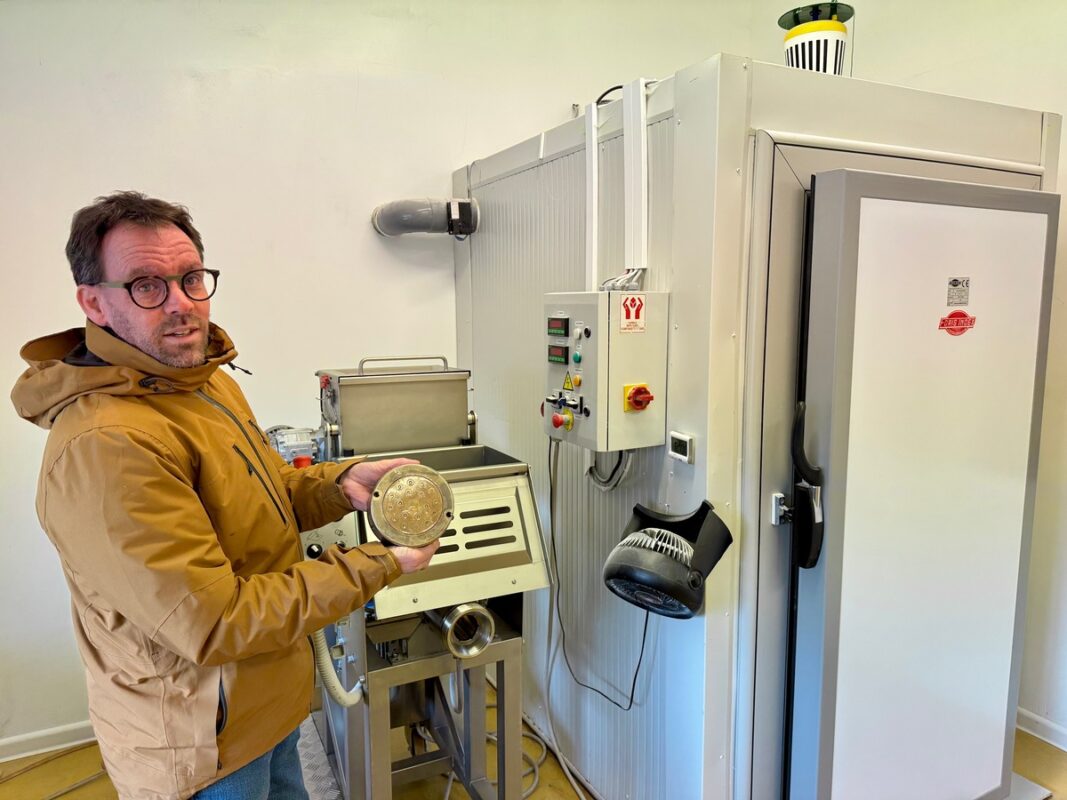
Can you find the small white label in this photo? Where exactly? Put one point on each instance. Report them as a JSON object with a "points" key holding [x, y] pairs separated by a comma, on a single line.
{"points": [[632, 313], [959, 291]]}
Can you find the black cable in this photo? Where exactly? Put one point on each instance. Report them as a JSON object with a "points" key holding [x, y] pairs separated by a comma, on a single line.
{"points": [[559, 615], [612, 474], [600, 99]]}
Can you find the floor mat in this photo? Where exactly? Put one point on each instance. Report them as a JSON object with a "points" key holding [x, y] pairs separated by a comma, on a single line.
{"points": [[318, 777]]}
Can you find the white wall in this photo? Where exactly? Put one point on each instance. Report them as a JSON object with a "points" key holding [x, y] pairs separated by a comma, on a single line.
{"points": [[1015, 57], [280, 125]]}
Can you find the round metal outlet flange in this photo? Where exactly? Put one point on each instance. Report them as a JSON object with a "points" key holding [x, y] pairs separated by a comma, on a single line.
{"points": [[410, 506]]}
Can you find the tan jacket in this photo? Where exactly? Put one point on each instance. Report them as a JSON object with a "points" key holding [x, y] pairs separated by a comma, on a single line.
{"points": [[176, 525]]}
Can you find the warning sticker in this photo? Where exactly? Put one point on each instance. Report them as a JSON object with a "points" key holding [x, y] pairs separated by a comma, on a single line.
{"points": [[957, 323], [568, 384], [959, 291], [632, 318]]}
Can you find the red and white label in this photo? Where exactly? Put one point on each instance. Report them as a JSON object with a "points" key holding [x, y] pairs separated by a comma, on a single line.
{"points": [[957, 323], [632, 318]]}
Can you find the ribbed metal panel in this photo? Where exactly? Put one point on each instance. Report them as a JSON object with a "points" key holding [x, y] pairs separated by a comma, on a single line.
{"points": [[531, 241]]}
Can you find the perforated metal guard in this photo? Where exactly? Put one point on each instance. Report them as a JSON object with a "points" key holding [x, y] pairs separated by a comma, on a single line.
{"points": [[492, 547]]}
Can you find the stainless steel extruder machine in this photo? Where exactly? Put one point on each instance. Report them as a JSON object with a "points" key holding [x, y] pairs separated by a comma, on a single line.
{"points": [[419, 651]]}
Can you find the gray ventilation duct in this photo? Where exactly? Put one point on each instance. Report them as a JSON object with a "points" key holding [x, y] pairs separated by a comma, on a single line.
{"points": [[457, 217]]}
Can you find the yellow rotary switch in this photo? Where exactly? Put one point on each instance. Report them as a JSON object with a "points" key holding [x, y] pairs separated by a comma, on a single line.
{"points": [[636, 397]]}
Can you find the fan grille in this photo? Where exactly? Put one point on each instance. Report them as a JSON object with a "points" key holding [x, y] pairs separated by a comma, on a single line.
{"points": [[649, 598], [661, 541]]}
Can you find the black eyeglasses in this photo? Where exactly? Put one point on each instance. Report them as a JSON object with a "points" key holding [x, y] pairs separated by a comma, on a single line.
{"points": [[151, 291]]}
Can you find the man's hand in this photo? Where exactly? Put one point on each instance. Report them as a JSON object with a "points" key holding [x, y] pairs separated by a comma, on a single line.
{"points": [[359, 481], [412, 559]]}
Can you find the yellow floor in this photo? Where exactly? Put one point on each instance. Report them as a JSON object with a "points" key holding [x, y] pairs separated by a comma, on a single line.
{"points": [[1042, 763], [553, 784], [40, 777]]}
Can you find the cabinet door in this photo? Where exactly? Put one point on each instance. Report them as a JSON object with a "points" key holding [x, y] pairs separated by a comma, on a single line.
{"points": [[783, 181], [923, 369]]}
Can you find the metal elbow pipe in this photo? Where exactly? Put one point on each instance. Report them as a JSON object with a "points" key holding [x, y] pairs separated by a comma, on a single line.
{"points": [[458, 217], [468, 628]]}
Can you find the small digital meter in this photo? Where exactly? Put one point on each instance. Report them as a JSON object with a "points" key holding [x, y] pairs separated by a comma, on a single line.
{"points": [[559, 326], [558, 353]]}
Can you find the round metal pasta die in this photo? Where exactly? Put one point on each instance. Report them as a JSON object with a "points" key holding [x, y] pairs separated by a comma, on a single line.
{"points": [[410, 506]]}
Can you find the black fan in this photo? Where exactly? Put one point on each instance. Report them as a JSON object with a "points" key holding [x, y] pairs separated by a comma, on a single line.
{"points": [[662, 561]]}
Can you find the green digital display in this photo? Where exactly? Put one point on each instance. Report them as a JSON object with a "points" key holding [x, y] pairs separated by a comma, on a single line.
{"points": [[558, 353], [559, 326]]}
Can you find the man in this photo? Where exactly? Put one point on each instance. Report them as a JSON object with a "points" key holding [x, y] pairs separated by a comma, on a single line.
{"points": [[176, 524]]}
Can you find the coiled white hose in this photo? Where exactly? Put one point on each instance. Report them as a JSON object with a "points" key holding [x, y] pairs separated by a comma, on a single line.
{"points": [[340, 695]]}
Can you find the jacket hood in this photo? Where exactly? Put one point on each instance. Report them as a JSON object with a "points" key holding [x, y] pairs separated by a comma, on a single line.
{"points": [[92, 360]]}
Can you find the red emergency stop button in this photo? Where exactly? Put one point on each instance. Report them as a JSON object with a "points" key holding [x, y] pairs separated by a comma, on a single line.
{"points": [[638, 397], [564, 419]]}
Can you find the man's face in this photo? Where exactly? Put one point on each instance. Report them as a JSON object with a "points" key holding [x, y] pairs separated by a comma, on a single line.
{"points": [[176, 333]]}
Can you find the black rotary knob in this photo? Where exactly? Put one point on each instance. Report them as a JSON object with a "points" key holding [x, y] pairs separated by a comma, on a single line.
{"points": [[314, 550]]}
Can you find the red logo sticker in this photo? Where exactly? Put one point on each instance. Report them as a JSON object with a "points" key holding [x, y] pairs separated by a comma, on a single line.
{"points": [[632, 306], [957, 323], [632, 319]]}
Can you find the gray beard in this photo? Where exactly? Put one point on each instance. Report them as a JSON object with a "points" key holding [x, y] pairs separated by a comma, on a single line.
{"points": [[182, 359]]}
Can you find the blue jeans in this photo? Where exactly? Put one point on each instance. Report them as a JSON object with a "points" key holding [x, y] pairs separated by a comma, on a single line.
{"points": [[275, 775]]}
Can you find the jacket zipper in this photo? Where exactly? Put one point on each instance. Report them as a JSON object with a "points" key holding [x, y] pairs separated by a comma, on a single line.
{"points": [[253, 471], [224, 711], [233, 417], [257, 429]]}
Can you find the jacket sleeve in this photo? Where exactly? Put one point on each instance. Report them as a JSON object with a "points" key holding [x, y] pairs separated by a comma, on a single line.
{"points": [[126, 517], [315, 491]]}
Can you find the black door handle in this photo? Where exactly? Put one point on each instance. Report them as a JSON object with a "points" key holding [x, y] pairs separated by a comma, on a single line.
{"points": [[808, 471], [807, 499]]}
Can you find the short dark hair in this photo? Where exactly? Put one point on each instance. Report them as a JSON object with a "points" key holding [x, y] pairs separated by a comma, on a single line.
{"points": [[91, 224]]}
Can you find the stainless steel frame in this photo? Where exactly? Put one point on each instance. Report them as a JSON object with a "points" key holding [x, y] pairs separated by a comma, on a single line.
{"points": [[358, 743], [492, 549]]}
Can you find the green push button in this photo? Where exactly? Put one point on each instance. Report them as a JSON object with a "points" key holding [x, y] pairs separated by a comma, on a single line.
{"points": [[577, 358]]}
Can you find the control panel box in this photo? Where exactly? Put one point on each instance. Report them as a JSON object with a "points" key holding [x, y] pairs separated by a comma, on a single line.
{"points": [[606, 368]]}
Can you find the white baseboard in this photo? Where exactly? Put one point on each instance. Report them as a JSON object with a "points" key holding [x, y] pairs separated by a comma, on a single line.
{"points": [[1055, 735], [30, 744]]}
